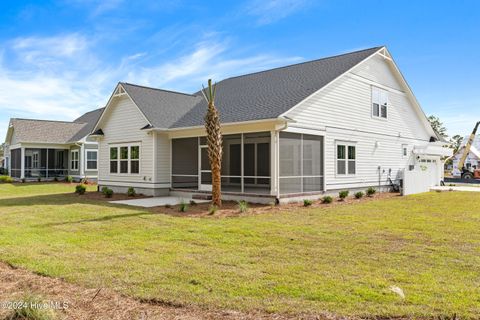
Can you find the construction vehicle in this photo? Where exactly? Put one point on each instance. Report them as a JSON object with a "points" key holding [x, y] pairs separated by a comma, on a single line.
{"points": [[469, 173]]}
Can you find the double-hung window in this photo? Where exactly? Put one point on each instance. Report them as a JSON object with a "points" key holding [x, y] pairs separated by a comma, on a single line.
{"points": [[379, 103], [346, 158], [125, 159], [92, 159], [74, 160]]}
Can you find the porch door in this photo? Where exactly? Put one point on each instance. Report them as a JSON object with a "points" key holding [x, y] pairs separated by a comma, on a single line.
{"points": [[205, 179]]}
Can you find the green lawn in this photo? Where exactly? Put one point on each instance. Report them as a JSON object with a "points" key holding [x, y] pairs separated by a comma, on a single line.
{"points": [[341, 259]]}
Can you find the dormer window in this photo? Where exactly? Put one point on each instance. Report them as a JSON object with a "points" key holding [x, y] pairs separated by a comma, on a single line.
{"points": [[379, 103]]}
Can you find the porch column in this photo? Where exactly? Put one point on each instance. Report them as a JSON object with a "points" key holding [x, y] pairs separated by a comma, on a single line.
{"points": [[22, 163], [82, 160], [274, 188]]}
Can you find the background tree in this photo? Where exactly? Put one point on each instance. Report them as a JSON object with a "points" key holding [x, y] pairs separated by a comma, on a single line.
{"points": [[438, 126], [214, 142], [456, 142]]}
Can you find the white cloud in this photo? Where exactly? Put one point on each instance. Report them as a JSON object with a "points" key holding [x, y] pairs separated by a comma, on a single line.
{"points": [[61, 77], [269, 11]]}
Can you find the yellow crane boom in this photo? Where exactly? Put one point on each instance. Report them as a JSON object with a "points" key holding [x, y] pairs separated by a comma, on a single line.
{"points": [[466, 151]]}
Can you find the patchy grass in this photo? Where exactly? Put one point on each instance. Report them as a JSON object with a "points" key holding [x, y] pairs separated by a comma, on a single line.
{"points": [[341, 259]]}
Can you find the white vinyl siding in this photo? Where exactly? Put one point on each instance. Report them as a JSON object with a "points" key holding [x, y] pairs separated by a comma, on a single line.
{"points": [[122, 126], [343, 112]]}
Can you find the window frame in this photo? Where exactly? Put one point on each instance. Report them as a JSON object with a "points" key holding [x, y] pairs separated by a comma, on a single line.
{"points": [[375, 89], [346, 145], [87, 160], [128, 159], [35, 160], [74, 160], [404, 151]]}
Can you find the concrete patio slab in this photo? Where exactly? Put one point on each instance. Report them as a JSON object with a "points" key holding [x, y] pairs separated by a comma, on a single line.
{"points": [[455, 188], [156, 201]]}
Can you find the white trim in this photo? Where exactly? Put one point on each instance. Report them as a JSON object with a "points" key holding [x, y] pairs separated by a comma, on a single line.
{"points": [[154, 157], [109, 103], [76, 161], [380, 90], [346, 160], [134, 184], [86, 160], [129, 145], [329, 84]]}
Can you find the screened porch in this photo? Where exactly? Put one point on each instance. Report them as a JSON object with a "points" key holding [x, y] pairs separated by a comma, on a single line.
{"points": [[298, 161], [39, 163]]}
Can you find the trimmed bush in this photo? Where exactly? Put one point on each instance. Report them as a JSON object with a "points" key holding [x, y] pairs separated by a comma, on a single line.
{"points": [[371, 191], [69, 179], [242, 206], [131, 192], [307, 203], [6, 179], [327, 199], [39, 179], [343, 194], [107, 192], [55, 179], [183, 206], [212, 210], [80, 189], [23, 180], [359, 195]]}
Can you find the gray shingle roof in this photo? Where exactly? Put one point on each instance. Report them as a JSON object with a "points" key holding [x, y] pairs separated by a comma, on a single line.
{"points": [[44, 131], [89, 119], [61, 132], [261, 95], [162, 108], [268, 94]]}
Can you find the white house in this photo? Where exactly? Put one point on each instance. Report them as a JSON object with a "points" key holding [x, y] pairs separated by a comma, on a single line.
{"points": [[343, 122], [52, 149]]}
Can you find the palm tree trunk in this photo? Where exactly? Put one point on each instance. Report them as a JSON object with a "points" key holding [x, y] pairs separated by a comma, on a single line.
{"points": [[214, 143]]}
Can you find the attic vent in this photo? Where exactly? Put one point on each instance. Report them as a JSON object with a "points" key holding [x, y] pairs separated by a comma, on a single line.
{"points": [[119, 91]]}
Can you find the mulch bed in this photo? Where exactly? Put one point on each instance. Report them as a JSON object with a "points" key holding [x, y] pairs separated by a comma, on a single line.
{"points": [[101, 303], [230, 208]]}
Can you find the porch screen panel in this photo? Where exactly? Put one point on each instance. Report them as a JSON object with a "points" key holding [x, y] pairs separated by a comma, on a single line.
{"points": [[301, 163], [256, 162], [185, 163], [232, 163], [16, 163], [290, 162]]}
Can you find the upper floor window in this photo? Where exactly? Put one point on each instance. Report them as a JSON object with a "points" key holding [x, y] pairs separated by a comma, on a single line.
{"points": [[379, 103]]}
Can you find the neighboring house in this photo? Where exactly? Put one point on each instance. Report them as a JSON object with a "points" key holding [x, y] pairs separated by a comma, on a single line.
{"points": [[48, 149], [473, 158], [343, 122]]}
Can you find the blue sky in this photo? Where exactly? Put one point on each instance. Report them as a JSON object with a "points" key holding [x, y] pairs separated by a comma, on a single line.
{"points": [[59, 59]]}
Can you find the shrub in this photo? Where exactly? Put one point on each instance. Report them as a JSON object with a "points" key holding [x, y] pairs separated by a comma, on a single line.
{"points": [[212, 210], [359, 195], [327, 199], [371, 191], [80, 188], [84, 181], [39, 179], [242, 206], [183, 206], [168, 206], [29, 309], [23, 180], [107, 192], [307, 203], [6, 179], [55, 179], [69, 179], [193, 203], [343, 194], [131, 192]]}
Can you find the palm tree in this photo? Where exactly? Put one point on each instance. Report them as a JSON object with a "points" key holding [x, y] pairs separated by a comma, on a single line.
{"points": [[214, 142]]}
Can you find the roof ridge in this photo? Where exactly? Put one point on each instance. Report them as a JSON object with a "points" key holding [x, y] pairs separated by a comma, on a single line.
{"points": [[60, 121], [304, 62], [159, 89]]}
